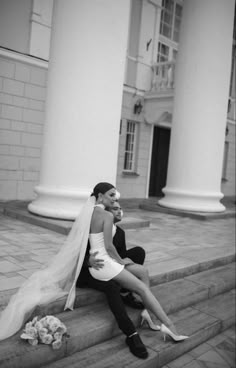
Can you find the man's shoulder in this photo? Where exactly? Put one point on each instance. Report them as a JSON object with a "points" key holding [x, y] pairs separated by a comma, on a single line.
{"points": [[119, 230], [118, 227]]}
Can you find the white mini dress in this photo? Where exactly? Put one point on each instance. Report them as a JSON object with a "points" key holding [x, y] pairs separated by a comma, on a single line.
{"points": [[111, 267]]}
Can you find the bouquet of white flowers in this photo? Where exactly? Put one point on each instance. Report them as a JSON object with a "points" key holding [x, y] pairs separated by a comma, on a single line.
{"points": [[47, 330]]}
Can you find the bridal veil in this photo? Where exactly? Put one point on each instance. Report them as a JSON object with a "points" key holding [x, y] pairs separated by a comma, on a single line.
{"points": [[56, 280]]}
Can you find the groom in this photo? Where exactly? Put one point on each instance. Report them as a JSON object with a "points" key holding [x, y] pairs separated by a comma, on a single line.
{"points": [[115, 296], [136, 254]]}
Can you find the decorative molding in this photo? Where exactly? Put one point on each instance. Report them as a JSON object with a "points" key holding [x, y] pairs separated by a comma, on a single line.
{"points": [[231, 121], [139, 59], [155, 3], [27, 59], [37, 19], [62, 203], [159, 95], [134, 91], [130, 173], [163, 125], [163, 121]]}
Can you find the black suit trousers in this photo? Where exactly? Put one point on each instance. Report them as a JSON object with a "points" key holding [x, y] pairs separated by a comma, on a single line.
{"points": [[112, 291]]}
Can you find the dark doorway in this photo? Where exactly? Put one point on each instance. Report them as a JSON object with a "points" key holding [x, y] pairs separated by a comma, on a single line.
{"points": [[159, 164]]}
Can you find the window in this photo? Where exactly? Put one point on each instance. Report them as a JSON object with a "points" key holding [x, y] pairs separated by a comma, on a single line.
{"points": [[174, 54], [225, 161], [163, 55], [177, 21], [163, 52], [167, 18], [120, 132], [170, 19], [233, 73], [15, 21], [169, 31], [130, 146], [167, 47], [166, 52]]}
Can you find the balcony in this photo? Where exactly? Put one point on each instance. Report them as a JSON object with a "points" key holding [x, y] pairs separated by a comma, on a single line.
{"points": [[159, 99], [163, 77]]}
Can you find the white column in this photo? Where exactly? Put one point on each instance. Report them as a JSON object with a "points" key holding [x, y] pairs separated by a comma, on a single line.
{"points": [[85, 85], [200, 107]]}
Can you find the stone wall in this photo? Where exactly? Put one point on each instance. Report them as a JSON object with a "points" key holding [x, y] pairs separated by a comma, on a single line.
{"points": [[22, 103], [134, 185]]}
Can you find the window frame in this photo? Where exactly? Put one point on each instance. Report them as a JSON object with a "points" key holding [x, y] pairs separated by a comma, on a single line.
{"points": [[134, 150], [225, 161], [166, 42], [173, 17]]}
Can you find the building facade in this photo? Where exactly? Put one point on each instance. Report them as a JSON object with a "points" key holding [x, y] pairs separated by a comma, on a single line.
{"points": [[127, 118]]}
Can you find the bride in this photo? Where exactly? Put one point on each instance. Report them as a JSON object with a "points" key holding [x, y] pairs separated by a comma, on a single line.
{"points": [[59, 278], [100, 237]]}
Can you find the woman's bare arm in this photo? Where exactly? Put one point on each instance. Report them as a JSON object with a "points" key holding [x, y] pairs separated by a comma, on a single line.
{"points": [[107, 231]]}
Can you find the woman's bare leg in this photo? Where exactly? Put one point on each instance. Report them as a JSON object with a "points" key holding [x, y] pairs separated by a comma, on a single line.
{"points": [[131, 282], [140, 272]]}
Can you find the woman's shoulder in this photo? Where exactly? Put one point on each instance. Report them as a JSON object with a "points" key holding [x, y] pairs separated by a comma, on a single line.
{"points": [[108, 215], [103, 213], [99, 219]]}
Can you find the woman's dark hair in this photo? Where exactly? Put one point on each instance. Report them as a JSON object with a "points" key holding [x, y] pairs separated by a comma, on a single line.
{"points": [[102, 187]]}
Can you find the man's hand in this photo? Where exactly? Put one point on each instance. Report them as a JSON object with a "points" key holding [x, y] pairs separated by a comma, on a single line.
{"points": [[94, 262]]}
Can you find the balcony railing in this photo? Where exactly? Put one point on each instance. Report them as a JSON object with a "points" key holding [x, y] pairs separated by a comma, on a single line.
{"points": [[163, 76]]}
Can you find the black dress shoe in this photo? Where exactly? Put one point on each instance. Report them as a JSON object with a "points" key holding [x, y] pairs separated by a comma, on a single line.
{"points": [[136, 346], [131, 301]]}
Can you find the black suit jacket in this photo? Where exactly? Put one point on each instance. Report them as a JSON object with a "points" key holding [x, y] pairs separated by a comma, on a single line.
{"points": [[120, 242]]}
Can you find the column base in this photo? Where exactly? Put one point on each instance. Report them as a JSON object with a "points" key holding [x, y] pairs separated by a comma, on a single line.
{"points": [[58, 203], [190, 201]]}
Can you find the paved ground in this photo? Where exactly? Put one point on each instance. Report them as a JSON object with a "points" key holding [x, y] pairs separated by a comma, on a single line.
{"points": [[218, 352], [171, 242]]}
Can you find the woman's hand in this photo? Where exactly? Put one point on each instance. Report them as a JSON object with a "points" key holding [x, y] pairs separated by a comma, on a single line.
{"points": [[94, 262]]}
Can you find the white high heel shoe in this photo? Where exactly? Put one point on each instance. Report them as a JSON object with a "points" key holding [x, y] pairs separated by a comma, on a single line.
{"points": [[146, 318], [166, 331]]}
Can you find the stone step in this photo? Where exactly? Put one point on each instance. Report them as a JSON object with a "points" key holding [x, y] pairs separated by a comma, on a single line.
{"points": [[20, 212], [151, 204], [92, 324], [173, 295], [177, 268], [195, 285], [200, 322]]}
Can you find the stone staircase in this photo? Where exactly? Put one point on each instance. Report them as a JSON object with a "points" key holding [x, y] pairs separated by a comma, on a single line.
{"points": [[18, 210], [199, 300], [151, 204]]}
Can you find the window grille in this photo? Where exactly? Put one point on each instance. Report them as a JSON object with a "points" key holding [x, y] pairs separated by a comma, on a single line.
{"points": [[130, 146]]}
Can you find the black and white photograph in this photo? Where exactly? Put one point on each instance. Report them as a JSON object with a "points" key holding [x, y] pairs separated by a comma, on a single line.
{"points": [[117, 183]]}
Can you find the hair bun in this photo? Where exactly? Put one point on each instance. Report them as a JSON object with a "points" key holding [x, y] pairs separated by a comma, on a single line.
{"points": [[102, 187]]}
